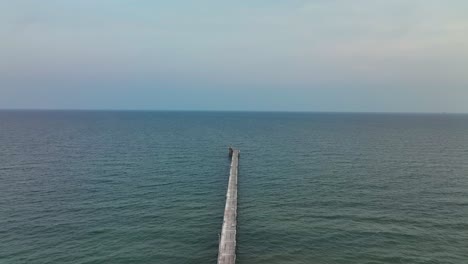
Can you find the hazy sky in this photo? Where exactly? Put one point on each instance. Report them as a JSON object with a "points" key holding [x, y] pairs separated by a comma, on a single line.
{"points": [[322, 55]]}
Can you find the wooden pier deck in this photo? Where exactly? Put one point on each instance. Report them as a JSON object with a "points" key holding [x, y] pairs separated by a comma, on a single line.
{"points": [[227, 241]]}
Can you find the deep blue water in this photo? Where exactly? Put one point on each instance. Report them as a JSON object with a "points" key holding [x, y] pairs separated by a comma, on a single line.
{"points": [[149, 187]]}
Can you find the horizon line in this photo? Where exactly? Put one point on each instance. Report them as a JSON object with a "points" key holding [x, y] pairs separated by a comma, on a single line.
{"points": [[226, 111]]}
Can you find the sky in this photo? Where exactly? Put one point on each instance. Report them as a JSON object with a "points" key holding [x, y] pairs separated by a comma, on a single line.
{"points": [[320, 55]]}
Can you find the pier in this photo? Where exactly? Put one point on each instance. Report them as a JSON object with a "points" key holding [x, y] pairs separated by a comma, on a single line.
{"points": [[227, 241]]}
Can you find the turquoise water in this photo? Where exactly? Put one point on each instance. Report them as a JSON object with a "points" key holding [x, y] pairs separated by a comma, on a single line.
{"points": [[148, 187]]}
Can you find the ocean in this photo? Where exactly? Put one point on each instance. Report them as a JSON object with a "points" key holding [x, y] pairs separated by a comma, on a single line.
{"points": [[115, 187]]}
